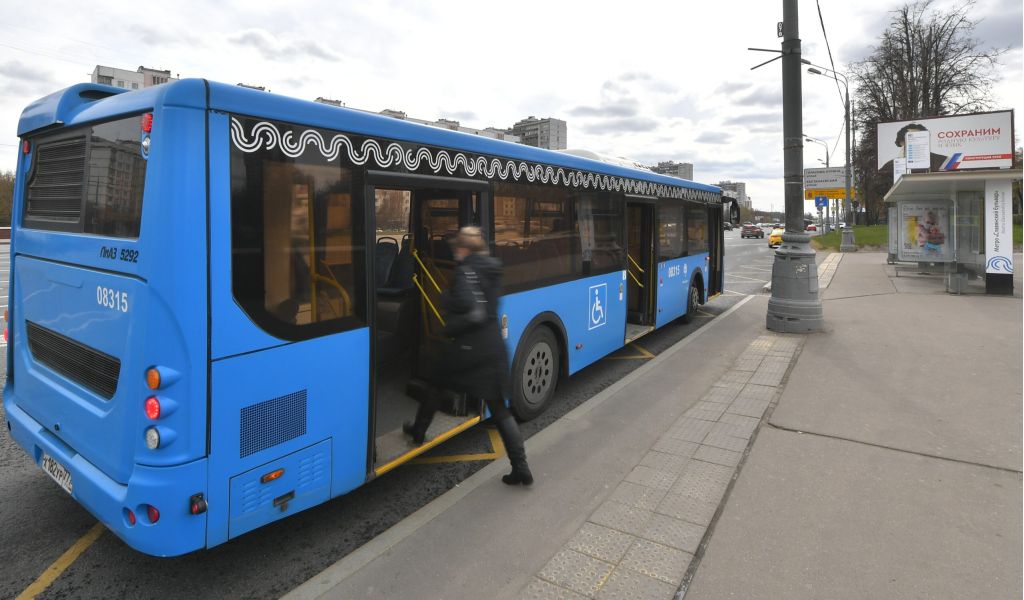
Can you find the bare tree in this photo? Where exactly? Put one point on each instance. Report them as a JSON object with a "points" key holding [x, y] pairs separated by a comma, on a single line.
{"points": [[927, 63]]}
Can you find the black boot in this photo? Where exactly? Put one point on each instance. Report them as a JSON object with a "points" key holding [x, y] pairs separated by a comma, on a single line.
{"points": [[417, 429], [513, 440]]}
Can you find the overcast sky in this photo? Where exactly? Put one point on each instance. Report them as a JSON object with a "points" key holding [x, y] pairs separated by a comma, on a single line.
{"points": [[646, 80]]}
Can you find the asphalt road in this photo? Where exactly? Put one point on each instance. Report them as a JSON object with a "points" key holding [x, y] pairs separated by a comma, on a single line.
{"points": [[42, 523]]}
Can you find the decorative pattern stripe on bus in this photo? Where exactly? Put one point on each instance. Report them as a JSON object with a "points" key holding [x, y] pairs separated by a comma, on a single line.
{"points": [[266, 135]]}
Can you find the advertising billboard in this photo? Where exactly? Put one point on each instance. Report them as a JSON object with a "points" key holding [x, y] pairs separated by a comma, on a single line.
{"points": [[978, 141], [924, 231]]}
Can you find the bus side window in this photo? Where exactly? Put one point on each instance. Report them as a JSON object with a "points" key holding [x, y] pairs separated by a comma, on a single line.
{"points": [[297, 257]]}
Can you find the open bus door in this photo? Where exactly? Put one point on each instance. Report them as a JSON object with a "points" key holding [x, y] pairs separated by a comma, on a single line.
{"points": [[641, 268], [716, 243], [415, 221]]}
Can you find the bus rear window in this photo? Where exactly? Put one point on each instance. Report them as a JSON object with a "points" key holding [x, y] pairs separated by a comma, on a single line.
{"points": [[88, 180]]}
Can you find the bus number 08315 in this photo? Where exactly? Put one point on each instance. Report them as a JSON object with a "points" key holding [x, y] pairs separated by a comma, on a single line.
{"points": [[111, 298]]}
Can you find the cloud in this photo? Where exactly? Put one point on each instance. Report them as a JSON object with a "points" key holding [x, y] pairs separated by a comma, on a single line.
{"points": [[273, 48], [627, 107], [21, 80], [732, 87], [769, 96], [713, 137], [459, 115], [760, 118], [623, 125], [1001, 28]]}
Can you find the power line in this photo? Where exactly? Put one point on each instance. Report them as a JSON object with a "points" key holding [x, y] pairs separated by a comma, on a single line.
{"points": [[821, 19]]}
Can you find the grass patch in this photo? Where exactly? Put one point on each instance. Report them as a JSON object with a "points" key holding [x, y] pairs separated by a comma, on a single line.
{"points": [[866, 236]]}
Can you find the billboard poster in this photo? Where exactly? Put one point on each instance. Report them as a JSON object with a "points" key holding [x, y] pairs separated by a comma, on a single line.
{"points": [[924, 231], [918, 150], [978, 141], [998, 232]]}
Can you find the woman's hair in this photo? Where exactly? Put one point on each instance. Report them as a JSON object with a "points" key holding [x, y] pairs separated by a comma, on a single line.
{"points": [[472, 239]]}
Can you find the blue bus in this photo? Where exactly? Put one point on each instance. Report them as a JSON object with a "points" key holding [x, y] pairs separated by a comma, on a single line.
{"points": [[222, 300]]}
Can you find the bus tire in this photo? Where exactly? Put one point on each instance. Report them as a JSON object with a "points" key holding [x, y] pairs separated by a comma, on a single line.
{"points": [[535, 373], [692, 301]]}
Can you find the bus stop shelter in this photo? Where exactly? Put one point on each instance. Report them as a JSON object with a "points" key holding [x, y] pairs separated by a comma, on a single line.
{"points": [[961, 222]]}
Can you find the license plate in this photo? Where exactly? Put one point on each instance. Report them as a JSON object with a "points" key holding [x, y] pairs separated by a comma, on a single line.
{"points": [[57, 472]]}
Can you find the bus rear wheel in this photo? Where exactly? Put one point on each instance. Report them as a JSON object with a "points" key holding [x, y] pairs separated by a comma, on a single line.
{"points": [[534, 374], [692, 300]]}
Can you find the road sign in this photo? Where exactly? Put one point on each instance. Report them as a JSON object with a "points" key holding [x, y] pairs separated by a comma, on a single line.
{"points": [[832, 193], [821, 202], [823, 179]]}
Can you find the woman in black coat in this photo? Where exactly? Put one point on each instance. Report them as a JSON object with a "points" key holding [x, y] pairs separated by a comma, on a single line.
{"points": [[477, 362]]}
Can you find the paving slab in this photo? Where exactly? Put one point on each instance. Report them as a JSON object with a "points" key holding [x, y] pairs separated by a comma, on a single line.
{"points": [[814, 517]]}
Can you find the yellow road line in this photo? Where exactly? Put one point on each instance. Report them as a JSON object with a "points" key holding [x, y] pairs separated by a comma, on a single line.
{"points": [[497, 451], [54, 571]]}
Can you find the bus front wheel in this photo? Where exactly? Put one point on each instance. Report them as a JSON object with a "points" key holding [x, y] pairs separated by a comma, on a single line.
{"points": [[534, 374]]}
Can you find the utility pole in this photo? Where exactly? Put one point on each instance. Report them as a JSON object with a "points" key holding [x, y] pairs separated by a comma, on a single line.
{"points": [[794, 306]]}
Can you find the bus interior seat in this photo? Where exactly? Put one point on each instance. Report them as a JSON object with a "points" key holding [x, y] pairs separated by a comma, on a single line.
{"points": [[386, 253]]}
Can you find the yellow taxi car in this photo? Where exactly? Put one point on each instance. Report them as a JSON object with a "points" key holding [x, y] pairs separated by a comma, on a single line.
{"points": [[775, 239]]}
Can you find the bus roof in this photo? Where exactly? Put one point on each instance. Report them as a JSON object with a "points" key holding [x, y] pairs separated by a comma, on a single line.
{"points": [[79, 104]]}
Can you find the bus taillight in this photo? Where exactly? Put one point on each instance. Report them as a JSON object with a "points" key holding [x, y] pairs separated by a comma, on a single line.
{"points": [[153, 378], [152, 406], [152, 513], [26, 147], [147, 122]]}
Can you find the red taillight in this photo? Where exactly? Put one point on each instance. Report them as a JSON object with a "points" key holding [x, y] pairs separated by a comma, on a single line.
{"points": [[152, 408], [153, 513], [26, 147], [131, 516], [147, 122]]}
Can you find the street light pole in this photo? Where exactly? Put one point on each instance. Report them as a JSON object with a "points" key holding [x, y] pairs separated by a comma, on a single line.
{"points": [[817, 141], [848, 243], [794, 306]]}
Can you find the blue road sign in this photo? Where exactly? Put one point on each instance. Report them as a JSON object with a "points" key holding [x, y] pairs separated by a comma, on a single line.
{"points": [[821, 201]]}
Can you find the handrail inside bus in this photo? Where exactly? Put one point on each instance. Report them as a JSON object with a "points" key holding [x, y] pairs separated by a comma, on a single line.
{"points": [[634, 278], [635, 264], [333, 281], [426, 298], [426, 271]]}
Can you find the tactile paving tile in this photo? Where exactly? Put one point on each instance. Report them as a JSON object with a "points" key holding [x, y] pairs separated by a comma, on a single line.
{"points": [[674, 532], [666, 462], [542, 590], [601, 543], [746, 424], [670, 445], [752, 391], [767, 377], [628, 584], [637, 495], [577, 572], [718, 456], [621, 517], [717, 439], [748, 408], [723, 395], [707, 482], [732, 386], [716, 407], [657, 561], [704, 414], [688, 508], [734, 377], [747, 363], [690, 430], [651, 477]]}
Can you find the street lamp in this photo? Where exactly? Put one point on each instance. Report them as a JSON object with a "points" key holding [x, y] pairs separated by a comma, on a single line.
{"points": [[848, 243], [808, 138]]}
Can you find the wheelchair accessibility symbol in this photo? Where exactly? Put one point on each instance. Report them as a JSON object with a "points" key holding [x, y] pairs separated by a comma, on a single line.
{"points": [[598, 306]]}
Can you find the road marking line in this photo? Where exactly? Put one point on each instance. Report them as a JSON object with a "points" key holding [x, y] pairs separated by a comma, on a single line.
{"points": [[54, 571], [750, 278], [497, 451]]}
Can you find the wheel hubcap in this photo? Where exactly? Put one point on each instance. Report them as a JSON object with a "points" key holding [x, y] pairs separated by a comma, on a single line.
{"points": [[538, 373]]}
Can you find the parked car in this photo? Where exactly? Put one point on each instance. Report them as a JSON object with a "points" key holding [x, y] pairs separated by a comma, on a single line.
{"points": [[775, 239], [727, 225], [750, 230], [812, 227]]}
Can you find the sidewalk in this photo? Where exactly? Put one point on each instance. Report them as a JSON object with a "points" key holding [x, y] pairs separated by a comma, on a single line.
{"points": [[906, 482]]}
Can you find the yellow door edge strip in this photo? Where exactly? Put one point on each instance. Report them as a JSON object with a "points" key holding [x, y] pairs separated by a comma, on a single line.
{"points": [[61, 564], [497, 451], [411, 454]]}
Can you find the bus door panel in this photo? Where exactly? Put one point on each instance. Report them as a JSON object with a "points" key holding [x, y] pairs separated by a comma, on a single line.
{"points": [[716, 247], [641, 268]]}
